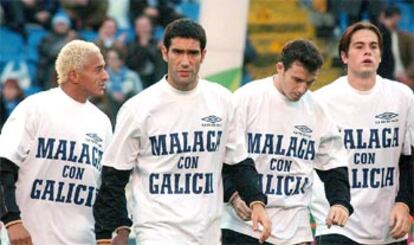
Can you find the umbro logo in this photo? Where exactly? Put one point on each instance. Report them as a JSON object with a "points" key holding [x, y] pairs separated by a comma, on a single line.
{"points": [[304, 129], [386, 116], [211, 120], [94, 138]]}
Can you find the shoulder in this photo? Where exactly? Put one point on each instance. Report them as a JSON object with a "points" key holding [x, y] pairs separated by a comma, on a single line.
{"points": [[330, 90], [400, 89], [209, 86], [254, 88]]}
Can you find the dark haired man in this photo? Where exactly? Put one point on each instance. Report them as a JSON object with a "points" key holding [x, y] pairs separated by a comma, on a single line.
{"points": [[376, 117], [288, 135], [176, 135]]}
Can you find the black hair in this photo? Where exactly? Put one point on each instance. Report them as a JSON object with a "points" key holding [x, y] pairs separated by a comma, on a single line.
{"points": [[185, 28], [303, 51]]}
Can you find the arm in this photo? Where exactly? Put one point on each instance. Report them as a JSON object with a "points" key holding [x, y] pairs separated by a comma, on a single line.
{"points": [[232, 197], [337, 191], [10, 212], [405, 193], [110, 209], [247, 182], [400, 221]]}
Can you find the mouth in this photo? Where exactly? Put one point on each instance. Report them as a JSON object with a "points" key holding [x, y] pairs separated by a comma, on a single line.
{"points": [[368, 61], [184, 73]]}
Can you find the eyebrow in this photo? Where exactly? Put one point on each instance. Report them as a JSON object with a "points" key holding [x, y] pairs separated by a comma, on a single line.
{"points": [[361, 42]]}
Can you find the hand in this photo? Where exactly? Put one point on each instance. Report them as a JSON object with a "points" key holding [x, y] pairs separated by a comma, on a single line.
{"points": [[18, 235], [259, 216], [400, 220], [121, 237], [338, 215], [241, 208]]}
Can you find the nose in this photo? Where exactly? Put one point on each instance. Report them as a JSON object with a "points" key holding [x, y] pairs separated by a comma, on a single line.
{"points": [[105, 76], [303, 87], [185, 61]]}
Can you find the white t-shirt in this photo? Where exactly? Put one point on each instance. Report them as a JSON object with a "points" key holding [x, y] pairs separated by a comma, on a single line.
{"points": [[177, 142], [287, 140], [374, 128], [57, 143]]}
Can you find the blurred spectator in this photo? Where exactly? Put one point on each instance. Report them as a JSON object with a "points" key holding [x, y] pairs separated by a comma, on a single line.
{"points": [[119, 10], [17, 13], [161, 12], [11, 95], [107, 36], [409, 78], [49, 48], [249, 56], [402, 43], [144, 55], [386, 67], [123, 83], [86, 14]]}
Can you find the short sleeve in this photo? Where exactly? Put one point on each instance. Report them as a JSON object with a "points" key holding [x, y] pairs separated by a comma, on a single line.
{"points": [[236, 150], [331, 152], [409, 136], [123, 150], [18, 133]]}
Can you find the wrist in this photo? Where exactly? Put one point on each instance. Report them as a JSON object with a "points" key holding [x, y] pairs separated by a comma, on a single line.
{"points": [[123, 230], [233, 197], [403, 205], [12, 223], [342, 207], [257, 203]]}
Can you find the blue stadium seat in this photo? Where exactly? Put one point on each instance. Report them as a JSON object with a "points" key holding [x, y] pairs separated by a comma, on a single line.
{"points": [[12, 45], [36, 35]]}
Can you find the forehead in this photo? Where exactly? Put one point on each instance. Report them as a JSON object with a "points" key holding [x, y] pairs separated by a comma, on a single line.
{"points": [[298, 70], [185, 43], [365, 36], [94, 59]]}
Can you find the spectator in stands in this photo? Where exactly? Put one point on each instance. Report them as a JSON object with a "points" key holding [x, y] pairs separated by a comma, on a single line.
{"points": [[108, 38], [409, 79], [17, 13], [402, 43], [86, 14], [49, 48], [144, 55], [123, 83], [11, 95], [161, 12]]}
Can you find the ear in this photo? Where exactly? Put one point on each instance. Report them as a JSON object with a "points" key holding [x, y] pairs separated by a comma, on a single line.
{"points": [[203, 54], [280, 68], [344, 57], [164, 52], [73, 76]]}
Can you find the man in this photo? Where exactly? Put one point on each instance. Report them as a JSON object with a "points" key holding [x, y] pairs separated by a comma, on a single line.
{"points": [[376, 116], [288, 135], [50, 151], [402, 43], [176, 135]]}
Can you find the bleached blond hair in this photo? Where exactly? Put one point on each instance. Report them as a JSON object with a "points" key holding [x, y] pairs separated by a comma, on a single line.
{"points": [[73, 57]]}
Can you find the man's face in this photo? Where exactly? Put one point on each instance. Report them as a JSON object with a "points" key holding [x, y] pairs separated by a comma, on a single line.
{"points": [[184, 57], [92, 78], [363, 55], [295, 81]]}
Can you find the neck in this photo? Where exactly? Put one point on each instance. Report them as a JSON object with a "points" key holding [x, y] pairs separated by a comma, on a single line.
{"points": [[182, 87], [72, 92], [361, 82], [277, 84]]}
